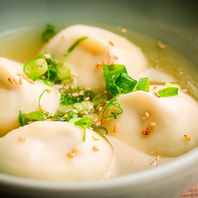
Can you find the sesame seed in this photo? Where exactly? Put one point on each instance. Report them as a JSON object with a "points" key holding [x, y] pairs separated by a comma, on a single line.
{"points": [[143, 131], [73, 74], [102, 121], [155, 87], [98, 123], [63, 36], [81, 92], [87, 88], [108, 55], [115, 127], [10, 80], [31, 82], [95, 148], [152, 124], [156, 94], [187, 137], [75, 150], [112, 44], [98, 65], [86, 112], [65, 116], [40, 63], [184, 90], [146, 114], [71, 155], [66, 87], [144, 118], [123, 30], [20, 81], [115, 57], [75, 94], [87, 98], [100, 108], [161, 45], [148, 130], [22, 138], [15, 81], [46, 56], [74, 111], [51, 114]]}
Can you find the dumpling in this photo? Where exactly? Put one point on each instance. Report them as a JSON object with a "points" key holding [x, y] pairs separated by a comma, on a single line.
{"points": [[172, 122], [101, 47], [16, 93], [55, 151]]}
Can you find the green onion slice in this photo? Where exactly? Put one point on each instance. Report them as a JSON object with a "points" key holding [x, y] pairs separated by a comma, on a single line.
{"points": [[75, 45], [143, 84], [63, 70], [48, 33], [125, 82], [99, 98], [116, 107], [39, 102], [36, 68], [169, 91], [101, 130], [50, 59], [111, 73], [168, 84]]}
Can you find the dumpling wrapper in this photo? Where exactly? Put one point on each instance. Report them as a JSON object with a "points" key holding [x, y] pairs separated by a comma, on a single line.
{"points": [[174, 117], [15, 96], [40, 151], [96, 49]]}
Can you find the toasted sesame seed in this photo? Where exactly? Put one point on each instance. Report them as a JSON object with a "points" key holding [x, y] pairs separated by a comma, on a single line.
{"points": [[115, 57], [31, 82], [146, 114], [87, 98], [74, 111], [75, 150], [95, 148], [112, 44], [15, 81], [156, 94], [102, 121], [81, 93], [98, 65], [40, 63], [20, 81], [115, 127], [184, 90], [22, 138], [46, 56], [73, 74], [87, 88], [65, 116], [155, 87], [75, 94], [100, 108], [71, 155], [152, 124], [123, 30], [144, 132], [161, 45], [63, 36], [51, 114], [66, 87], [98, 123], [148, 130], [10, 80], [187, 137], [86, 112], [144, 118], [108, 55]]}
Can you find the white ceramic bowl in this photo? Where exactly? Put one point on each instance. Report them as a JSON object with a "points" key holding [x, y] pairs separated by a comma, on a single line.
{"points": [[173, 21]]}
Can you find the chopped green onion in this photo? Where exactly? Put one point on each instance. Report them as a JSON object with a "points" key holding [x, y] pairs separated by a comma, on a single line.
{"points": [[24, 118], [35, 68], [39, 102], [116, 109], [51, 61], [99, 98], [95, 139], [143, 84], [111, 73], [75, 45], [63, 70], [167, 84], [48, 33], [125, 82], [63, 109], [101, 130], [169, 91]]}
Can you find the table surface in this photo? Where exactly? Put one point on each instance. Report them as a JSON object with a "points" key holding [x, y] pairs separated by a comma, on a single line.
{"points": [[192, 193]]}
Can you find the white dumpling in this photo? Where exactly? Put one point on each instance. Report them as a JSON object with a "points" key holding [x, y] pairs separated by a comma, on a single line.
{"points": [[96, 49], [55, 151], [16, 93], [174, 116]]}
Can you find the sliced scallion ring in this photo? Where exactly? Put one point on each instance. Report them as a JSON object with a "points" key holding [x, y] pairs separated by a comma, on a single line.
{"points": [[63, 70]]}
